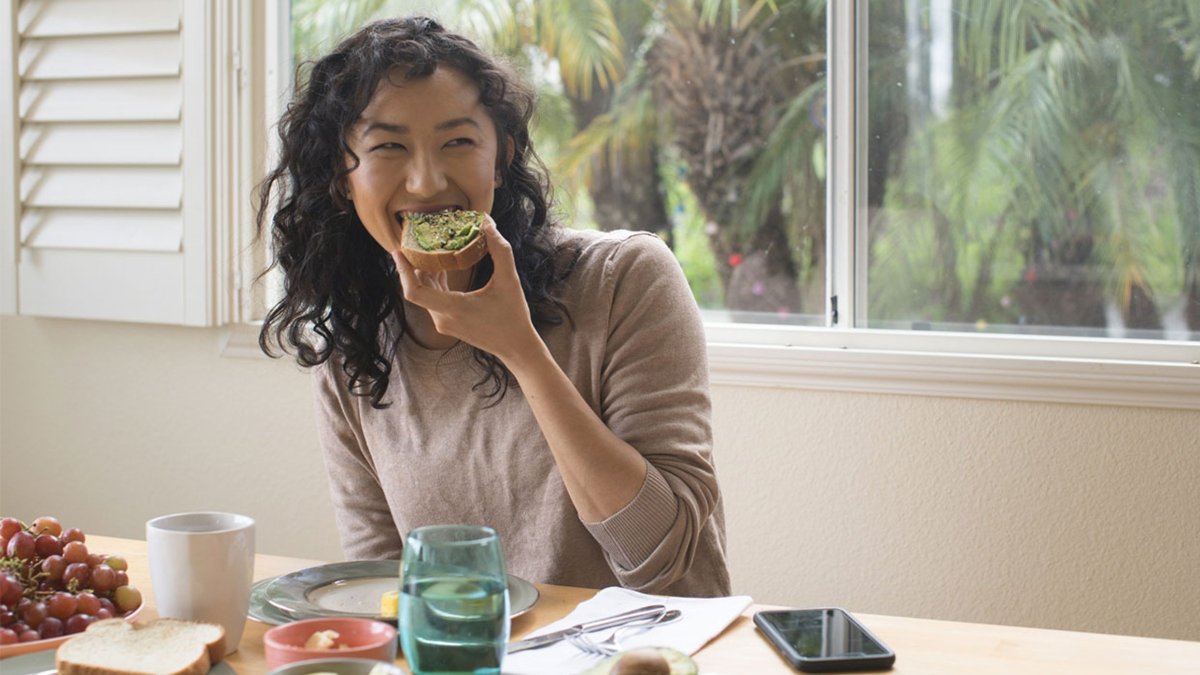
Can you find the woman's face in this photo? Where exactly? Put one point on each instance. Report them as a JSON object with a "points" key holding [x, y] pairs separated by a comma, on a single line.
{"points": [[425, 144]]}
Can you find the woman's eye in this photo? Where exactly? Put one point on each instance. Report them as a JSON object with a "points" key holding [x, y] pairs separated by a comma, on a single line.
{"points": [[458, 142], [388, 146]]}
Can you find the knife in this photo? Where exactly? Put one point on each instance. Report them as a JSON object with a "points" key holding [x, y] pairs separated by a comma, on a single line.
{"points": [[647, 612]]}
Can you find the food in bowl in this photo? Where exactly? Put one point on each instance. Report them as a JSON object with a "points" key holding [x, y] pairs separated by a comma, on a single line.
{"points": [[322, 639], [355, 638]]}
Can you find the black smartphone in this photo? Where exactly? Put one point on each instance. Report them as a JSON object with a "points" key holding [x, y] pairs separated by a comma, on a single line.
{"points": [[824, 640]]}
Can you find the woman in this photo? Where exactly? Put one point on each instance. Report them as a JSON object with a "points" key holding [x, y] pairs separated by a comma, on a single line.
{"points": [[556, 392]]}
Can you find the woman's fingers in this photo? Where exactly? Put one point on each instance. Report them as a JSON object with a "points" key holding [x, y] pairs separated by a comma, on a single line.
{"points": [[436, 280], [408, 276], [430, 290], [488, 318], [413, 282], [499, 248]]}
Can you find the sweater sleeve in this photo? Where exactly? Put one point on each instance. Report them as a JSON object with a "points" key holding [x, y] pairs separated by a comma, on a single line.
{"points": [[360, 509], [654, 396]]}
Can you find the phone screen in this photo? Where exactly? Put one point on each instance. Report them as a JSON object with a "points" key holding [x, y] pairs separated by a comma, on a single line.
{"points": [[824, 634]]}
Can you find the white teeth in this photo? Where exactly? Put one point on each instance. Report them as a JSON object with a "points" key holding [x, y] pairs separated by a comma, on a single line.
{"points": [[400, 214]]}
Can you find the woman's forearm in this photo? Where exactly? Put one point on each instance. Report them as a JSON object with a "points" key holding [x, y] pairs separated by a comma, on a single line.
{"points": [[602, 473]]}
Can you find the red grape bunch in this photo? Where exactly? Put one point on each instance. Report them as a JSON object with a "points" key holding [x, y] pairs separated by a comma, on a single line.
{"points": [[51, 585]]}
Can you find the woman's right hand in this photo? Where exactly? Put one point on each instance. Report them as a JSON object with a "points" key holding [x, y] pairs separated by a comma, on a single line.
{"points": [[494, 318]]}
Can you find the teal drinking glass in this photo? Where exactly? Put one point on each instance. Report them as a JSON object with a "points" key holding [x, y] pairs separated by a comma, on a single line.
{"points": [[453, 601]]}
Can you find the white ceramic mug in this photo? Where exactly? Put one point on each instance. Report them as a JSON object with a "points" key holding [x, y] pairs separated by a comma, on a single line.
{"points": [[201, 568]]}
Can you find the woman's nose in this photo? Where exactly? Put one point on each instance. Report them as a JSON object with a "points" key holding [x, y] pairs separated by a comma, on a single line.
{"points": [[425, 176]]}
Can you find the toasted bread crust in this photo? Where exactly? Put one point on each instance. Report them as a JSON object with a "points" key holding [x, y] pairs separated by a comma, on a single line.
{"points": [[442, 261], [446, 261]]}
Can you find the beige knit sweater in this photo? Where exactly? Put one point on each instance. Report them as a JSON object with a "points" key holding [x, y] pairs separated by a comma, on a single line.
{"points": [[636, 353]]}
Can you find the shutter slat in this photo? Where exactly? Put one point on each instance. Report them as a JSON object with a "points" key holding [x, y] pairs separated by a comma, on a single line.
{"points": [[83, 101], [151, 55], [111, 230], [53, 18], [107, 285], [103, 150], [103, 187], [102, 144]]}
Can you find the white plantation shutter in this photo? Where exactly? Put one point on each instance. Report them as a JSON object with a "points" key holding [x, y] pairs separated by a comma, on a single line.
{"points": [[113, 184]]}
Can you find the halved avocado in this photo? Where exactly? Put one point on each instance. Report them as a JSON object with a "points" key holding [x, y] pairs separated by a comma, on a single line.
{"points": [[646, 661]]}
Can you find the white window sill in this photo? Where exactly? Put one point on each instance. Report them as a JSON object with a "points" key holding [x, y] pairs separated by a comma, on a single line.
{"points": [[1160, 375], [1022, 368]]}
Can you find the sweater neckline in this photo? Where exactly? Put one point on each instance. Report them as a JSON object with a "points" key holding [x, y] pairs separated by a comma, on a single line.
{"points": [[415, 352]]}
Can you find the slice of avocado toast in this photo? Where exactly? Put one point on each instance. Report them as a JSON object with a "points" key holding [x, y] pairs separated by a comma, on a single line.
{"points": [[444, 230]]}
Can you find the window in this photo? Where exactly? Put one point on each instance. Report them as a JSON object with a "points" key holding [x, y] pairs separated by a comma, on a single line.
{"points": [[969, 170], [990, 196], [1032, 168], [1028, 169], [636, 136]]}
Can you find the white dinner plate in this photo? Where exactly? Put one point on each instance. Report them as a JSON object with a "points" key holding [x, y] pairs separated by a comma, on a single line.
{"points": [[38, 662], [348, 589]]}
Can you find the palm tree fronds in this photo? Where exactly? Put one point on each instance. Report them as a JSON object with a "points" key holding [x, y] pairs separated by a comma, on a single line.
{"points": [[788, 148], [997, 35], [583, 35], [1181, 20], [625, 127], [711, 12], [490, 22], [317, 25]]}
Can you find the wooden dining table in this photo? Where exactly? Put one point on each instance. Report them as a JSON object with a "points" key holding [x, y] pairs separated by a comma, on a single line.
{"points": [[925, 646]]}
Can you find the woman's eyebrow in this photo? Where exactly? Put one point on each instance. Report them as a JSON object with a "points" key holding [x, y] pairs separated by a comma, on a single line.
{"points": [[384, 126], [458, 122], [403, 129]]}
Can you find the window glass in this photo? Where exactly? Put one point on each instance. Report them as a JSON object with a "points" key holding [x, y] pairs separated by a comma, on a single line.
{"points": [[1028, 167], [1034, 167], [701, 121]]}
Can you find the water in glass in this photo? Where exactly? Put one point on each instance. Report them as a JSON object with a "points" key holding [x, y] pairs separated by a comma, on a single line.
{"points": [[453, 601]]}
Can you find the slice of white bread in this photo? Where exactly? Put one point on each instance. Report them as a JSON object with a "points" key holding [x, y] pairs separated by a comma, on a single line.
{"points": [[158, 647]]}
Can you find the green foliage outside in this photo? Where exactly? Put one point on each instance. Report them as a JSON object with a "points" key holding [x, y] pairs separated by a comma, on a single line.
{"points": [[691, 242], [1059, 184], [1065, 166]]}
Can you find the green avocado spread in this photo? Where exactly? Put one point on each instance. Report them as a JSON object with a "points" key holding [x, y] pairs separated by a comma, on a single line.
{"points": [[445, 230]]}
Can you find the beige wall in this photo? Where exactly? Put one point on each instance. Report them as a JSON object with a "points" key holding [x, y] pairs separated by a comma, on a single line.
{"points": [[1079, 517]]}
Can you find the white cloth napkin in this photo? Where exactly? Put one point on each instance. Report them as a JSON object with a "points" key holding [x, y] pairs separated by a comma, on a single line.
{"points": [[702, 620]]}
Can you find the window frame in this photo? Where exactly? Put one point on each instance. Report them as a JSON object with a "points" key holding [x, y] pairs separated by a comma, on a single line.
{"points": [[843, 357]]}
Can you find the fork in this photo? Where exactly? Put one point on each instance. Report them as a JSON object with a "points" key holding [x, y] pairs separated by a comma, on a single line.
{"points": [[611, 646]]}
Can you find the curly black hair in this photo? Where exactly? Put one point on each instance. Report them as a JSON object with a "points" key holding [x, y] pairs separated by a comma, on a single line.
{"points": [[337, 280]]}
